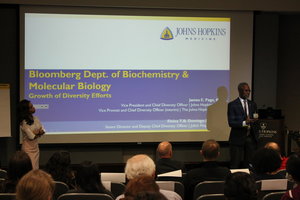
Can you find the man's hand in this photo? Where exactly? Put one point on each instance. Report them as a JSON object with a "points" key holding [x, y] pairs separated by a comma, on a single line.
{"points": [[250, 121]]}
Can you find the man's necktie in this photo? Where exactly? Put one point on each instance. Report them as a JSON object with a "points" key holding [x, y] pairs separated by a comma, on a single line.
{"points": [[245, 107], [246, 114]]}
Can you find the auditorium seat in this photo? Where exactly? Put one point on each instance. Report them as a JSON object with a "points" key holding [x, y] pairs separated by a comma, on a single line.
{"points": [[1, 180], [265, 187], [208, 187], [173, 186], [273, 196], [3, 173], [60, 188], [115, 188], [113, 177], [212, 197], [85, 196], [7, 196]]}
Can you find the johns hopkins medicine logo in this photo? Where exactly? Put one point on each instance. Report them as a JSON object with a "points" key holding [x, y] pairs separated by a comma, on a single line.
{"points": [[194, 33], [166, 34], [263, 125]]}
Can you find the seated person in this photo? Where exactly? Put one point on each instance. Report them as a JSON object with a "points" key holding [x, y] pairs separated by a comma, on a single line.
{"points": [[209, 170], [35, 185], [142, 165], [292, 168], [59, 166], [266, 164], [150, 196], [240, 186], [19, 164], [138, 185], [166, 163], [88, 180], [275, 146]]}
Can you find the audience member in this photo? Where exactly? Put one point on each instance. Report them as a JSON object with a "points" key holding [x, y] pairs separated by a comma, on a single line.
{"points": [[166, 163], [275, 146], [59, 166], [140, 184], [209, 169], [142, 165], [150, 196], [88, 179], [35, 185], [240, 186], [19, 164], [293, 166], [266, 164]]}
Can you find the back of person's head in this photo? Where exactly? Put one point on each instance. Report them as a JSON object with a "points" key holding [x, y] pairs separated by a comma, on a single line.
{"points": [[150, 196], [274, 146], [210, 150], [139, 165], [19, 164], [266, 161], [88, 178], [60, 158], [164, 149], [140, 184], [58, 165], [293, 166], [35, 185], [240, 186]]}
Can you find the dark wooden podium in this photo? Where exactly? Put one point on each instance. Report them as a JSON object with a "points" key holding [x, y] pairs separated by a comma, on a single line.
{"points": [[271, 130]]}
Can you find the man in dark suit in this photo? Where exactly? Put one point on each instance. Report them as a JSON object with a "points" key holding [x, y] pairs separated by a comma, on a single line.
{"points": [[209, 170], [242, 115], [166, 163]]}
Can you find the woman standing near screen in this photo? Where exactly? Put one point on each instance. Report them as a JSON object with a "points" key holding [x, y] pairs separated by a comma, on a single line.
{"points": [[31, 129]]}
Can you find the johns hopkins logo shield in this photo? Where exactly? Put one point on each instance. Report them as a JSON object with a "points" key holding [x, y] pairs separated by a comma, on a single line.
{"points": [[263, 125], [166, 34]]}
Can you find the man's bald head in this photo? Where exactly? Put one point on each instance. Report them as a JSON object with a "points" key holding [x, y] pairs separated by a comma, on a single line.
{"points": [[164, 149], [274, 146]]}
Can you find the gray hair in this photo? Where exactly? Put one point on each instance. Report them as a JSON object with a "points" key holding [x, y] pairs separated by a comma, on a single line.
{"points": [[139, 165]]}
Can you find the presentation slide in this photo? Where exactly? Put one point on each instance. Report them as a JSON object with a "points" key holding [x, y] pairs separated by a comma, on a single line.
{"points": [[109, 73]]}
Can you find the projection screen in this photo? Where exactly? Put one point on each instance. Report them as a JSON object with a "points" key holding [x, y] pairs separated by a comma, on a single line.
{"points": [[133, 75]]}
